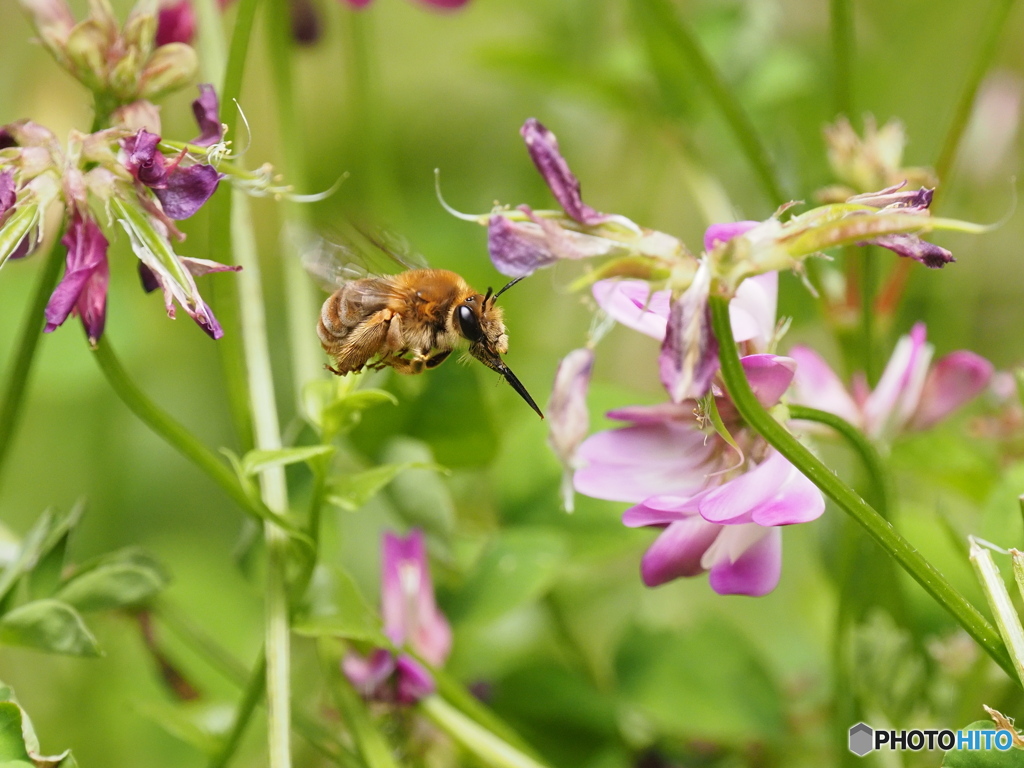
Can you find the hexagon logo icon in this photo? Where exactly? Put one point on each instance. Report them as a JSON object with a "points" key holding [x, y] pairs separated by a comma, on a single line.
{"points": [[861, 739]]}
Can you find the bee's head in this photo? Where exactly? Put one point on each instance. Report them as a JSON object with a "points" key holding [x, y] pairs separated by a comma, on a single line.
{"points": [[479, 320]]}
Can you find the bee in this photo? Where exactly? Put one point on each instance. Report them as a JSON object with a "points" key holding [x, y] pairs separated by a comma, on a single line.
{"points": [[412, 321]]}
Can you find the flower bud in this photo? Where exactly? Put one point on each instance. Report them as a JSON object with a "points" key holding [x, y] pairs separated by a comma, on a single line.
{"points": [[140, 28], [170, 67], [86, 52], [52, 20], [124, 78]]}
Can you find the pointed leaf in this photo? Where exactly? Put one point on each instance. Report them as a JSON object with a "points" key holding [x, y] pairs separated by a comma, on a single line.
{"points": [[350, 492], [48, 625], [31, 545], [345, 413], [45, 576], [256, 461], [113, 585]]}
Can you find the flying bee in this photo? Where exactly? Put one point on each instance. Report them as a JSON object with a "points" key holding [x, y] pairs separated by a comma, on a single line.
{"points": [[412, 321]]}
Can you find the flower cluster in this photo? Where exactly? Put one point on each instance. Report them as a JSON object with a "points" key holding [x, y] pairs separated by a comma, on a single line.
{"points": [[118, 63], [691, 468], [411, 620], [117, 174]]}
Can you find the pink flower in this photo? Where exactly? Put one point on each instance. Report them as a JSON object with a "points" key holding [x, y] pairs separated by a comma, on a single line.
{"points": [[912, 394], [718, 511], [176, 23], [411, 619], [83, 289]]}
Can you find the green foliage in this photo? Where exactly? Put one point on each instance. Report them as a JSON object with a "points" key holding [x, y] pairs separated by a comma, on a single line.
{"points": [[983, 758], [334, 607]]}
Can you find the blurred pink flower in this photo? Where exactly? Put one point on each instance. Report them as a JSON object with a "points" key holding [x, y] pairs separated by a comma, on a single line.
{"points": [[411, 619], [912, 394], [83, 289], [176, 23]]}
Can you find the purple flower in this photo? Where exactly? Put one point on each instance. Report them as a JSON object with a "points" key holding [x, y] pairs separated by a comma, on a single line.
{"points": [[176, 23], [912, 394], [411, 619], [83, 289], [181, 190], [206, 109], [157, 276], [568, 417], [718, 511]]}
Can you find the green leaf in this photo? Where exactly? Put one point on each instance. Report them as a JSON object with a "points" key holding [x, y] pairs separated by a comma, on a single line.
{"points": [[350, 492], [521, 565], [29, 551], [256, 461], [334, 607], [983, 758], [113, 584], [12, 741], [48, 625], [344, 414], [45, 576], [190, 723]]}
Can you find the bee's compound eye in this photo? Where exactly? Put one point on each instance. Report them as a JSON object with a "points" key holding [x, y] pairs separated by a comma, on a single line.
{"points": [[468, 323]]}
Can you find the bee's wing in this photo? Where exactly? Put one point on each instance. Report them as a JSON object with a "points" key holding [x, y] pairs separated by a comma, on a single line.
{"points": [[332, 263], [355, 252], [389, 243]]}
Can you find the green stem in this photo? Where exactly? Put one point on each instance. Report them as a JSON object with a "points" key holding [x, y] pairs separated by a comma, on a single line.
{"points": [[704, 70], [842, 50], [483, 744], [923, 572], [881, 479], [868, 264], [179, 438], [994, 25], [24, 356], [251, 695]]}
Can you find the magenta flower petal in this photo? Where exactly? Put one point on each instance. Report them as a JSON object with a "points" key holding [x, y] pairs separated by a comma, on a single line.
{"points": [[176, 23], [898, 392], [359, 3], [723, 233], [816, 385], [797, 499], [206, 109], [145, 162], [187, 189], [543, 148], [368, 674], [773, 493], [410, 613], [953, 381], [517, 249], [755, 572], [653, 414], [83, 289], [634, 463], [664, 510], [678, 551], [414, 681], [631, 303], [769, 376], [913, 247]]}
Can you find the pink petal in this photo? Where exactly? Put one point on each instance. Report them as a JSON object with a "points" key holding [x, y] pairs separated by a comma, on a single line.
{"points": [[631, 303], [953, 381], [769, 376], [722, 233], [755, 572], [898, 394], [752, 310], [414, 681], [660, 511], [176, 23], [689, 354], [772, 493], [368, 673], [677, 552], [543, 148], [653, 414], [816, 385]]}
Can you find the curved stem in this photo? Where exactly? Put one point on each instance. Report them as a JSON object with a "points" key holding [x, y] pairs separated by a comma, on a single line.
{"points": [[24, 356], [251, 695], [880, 477], [923, 572], [704, 70], [994, 25], [179, 438]]}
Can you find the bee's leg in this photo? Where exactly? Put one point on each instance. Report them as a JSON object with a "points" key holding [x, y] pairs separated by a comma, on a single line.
{"points": [[410, 366], [435, 360], [363, 342]]}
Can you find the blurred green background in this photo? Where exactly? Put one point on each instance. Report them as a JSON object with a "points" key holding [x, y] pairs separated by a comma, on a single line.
{"points": [[548, 608]]}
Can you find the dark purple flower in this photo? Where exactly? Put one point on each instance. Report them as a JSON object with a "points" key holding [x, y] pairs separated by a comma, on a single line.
{"points": [[896, 198], [913, 247], [181, 190], [543, 148], [411, 619], [197, 309], [176, 23], [689, 353], [206, 109], [83, 289], [8, 193]]}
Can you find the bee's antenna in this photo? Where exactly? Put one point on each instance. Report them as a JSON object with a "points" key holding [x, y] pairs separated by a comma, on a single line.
{"points": [[508, 285]]}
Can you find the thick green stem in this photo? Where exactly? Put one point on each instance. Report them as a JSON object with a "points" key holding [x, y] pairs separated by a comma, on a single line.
{"points": [[179, 438], [881, 479], [704, 71], [923, 572], [24, 356], [842, 52], [994, 24]]}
